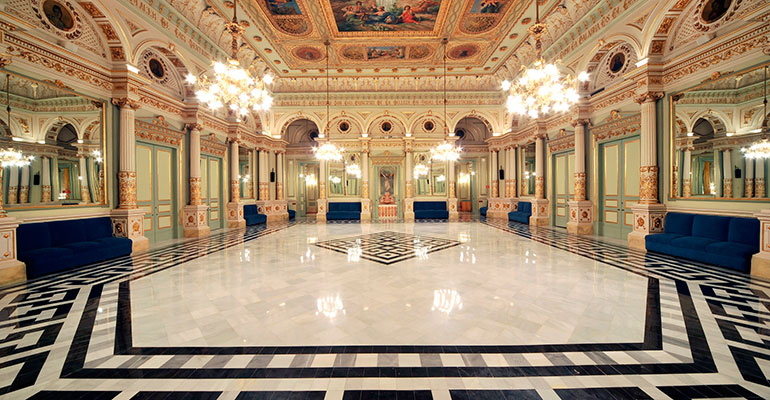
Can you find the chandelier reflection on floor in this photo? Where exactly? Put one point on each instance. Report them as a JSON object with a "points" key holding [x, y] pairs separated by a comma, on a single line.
{"points": [[240, 89], [446, 300], [541, 90], [330, 306]]}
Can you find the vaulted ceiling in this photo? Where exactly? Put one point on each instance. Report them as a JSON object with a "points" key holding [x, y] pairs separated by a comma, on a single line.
{"points": [[393, 37]]}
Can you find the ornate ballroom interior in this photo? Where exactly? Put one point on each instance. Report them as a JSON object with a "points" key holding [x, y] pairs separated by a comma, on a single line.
{"points": [[417, 199]]}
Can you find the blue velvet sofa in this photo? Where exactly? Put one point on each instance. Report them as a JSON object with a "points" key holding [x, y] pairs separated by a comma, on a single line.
{"points": [[344, 211], [292, 213], [483, 211], [522, 214], [48, 247], [724, 241], [430, 210], [252, 216]]}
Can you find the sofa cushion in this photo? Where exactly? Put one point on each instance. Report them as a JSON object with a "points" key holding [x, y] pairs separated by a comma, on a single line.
{"points": [[292, 214], [88, 252], [692, 242], [679, 223], [46, 261], [664, 238], [431, 214], [65, 232], [250, 209], [344, 207], [32, 236], [744, 231], [483, 211], [430, 205], [712, 227], [340, 215], [519, 216], [117, 246], [525, 207], [97, 228], [733, 249], [254, 219]]}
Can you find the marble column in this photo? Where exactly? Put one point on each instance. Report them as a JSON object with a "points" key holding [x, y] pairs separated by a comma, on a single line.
{"points": [[675, 175], [687, 174], [85, 194], [128, 219], [502, 165], [45, 175], [279, 175], [649, 214], [749, 181], [454, 214], [540, 203], [580, 209], [727, 179], [717, 173], [264, 176], [493, 173], [24, 186], [13, 185], [234, 207], [759, 178], [366, 202], [522, 182], [322, 202], [515, 178], [408, 198], [194, 214]]}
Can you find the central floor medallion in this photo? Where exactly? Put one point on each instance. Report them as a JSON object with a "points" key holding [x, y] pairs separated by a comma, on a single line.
{"points": [[387, 247]]}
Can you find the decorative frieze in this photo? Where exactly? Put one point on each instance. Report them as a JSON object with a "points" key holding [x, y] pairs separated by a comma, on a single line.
{"points": [[127, 189]]}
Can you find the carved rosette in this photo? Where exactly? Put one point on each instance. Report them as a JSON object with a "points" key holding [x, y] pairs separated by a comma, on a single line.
{"points": [[46, 194], [581, 212], [129, 226], [127, 189], [539, 187], [648, 184], [749, 191], [727, 188], [235, 191], [494, 188], [264, 191], [195, 191], [23, 194], [13, 192], [279, 190], [759, 187], [686, 187], [195, 216], [580, 186], [85, 194], [649, 221]]}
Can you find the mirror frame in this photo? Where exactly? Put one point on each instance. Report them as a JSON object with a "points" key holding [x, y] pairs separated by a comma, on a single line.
{"points": [[106, 161]]}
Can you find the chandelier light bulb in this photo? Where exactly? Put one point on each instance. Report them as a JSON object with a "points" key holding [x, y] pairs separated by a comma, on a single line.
{"points": [[758, 150], [14, 158]]}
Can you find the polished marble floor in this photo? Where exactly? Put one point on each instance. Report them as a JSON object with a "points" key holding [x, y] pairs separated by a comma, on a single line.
{"points": [[426, 310]]}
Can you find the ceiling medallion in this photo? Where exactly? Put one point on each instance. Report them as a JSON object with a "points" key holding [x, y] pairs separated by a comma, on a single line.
{"points": [[541, 90], [237, 88]]}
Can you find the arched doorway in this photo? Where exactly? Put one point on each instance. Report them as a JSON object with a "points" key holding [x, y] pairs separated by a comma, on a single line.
{"points": [[471, 133], [304, 171]]}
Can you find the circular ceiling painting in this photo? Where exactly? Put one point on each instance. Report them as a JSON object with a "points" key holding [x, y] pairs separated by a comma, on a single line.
{"points": [[58, 15], [308, 53], [463, 51], [714, 10]]}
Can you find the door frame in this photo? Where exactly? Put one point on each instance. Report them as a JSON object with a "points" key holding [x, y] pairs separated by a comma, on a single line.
{"points": [[152, 235]]}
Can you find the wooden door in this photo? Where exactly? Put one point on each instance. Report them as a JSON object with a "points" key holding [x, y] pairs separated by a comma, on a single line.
{"points": [[155, 190], [563, 186], [211, 190], [619, 185]]}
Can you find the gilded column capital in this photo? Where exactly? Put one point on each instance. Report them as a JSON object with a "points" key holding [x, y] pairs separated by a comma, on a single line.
{"points": [[5, 60], [193, 126], [580, 121], [124, 102], [649, 96]]}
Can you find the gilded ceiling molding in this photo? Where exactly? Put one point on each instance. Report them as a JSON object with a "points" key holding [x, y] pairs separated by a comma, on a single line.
{"points": [[475, 20], [293, 23]]}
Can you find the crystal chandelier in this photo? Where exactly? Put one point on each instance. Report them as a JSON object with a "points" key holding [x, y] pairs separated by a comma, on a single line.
{"points": [[420, 170], [446, 150], [328, 151], [541, 90], [353, 170], [240, 89], [11, 158], [761, 149]]}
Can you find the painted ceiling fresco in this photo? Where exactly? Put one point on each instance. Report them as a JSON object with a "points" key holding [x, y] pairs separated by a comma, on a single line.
{"points": [[375, 34]]}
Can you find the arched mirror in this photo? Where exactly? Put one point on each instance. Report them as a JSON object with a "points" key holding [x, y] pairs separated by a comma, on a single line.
{"points": [[345, 176], [246, 173], [528, 171], [429, 177]]}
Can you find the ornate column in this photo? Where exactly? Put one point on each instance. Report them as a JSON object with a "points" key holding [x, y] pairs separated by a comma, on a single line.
{"points": [[24, 187], [11, 269], [727, 179], [687, 173], [279, 175], [366, 202], [749, 181], [515, 178], [128, 219], [454, 214], [194, 214], [45, 196], [649, 214], [264, 176], [581, 219], [717, 173], [234, 207], [85, 193], [540, 203], [523, 182], [322, 202], [493, 173], [497, 206], [13, 186], [409, 195], [759, 180], [760, 262]]}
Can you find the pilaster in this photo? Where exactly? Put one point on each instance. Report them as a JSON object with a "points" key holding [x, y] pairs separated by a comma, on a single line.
{"points": [[194, 214], [234, 207], [581, 215], [409, 209], [454, 214]]}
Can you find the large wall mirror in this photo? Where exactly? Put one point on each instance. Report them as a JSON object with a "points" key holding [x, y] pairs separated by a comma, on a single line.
{"points": [[528, 171], [64, 132], [430, 177], [345, 176], [713, 124], [246, 172]]}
